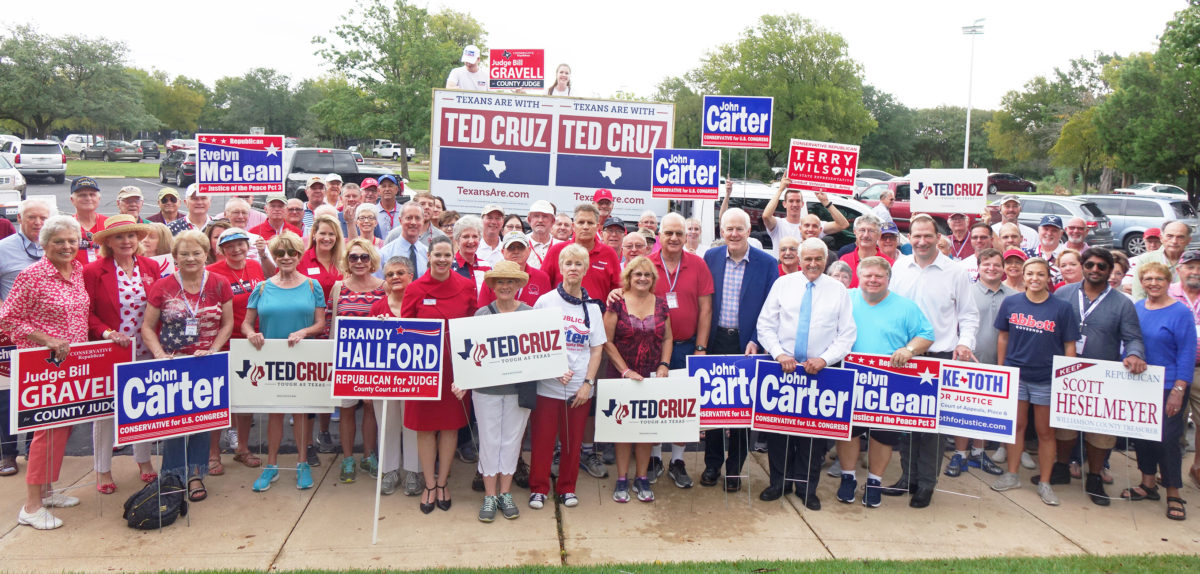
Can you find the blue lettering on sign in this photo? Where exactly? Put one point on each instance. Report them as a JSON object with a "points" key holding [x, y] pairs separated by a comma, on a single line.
{"points": [[170, 388], [890, 397], [726, 381], [374, 345], [685, 173], [799, 403], [736, 121]]}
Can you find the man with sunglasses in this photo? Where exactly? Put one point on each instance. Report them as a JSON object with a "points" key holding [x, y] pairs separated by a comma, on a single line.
{"points": [[1110, 331], [168, 207]]}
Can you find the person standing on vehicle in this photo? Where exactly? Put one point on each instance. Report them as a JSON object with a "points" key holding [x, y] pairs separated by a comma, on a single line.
{"points": [[796, 207], [1010, 211], [469, 76]]}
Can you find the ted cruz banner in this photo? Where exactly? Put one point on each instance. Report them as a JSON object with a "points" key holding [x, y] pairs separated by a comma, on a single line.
{"points": [[6, 353], [1101, 396], [46, 394], [800, 404], [516, 69], [493, 350], [281, 379], [686, 173], [514, 149], [650, 410], [948, 190], [822, 166], [239, 164], [737, 121], [172, 397], [978, 401], [895, 398], [726, 388], [387, 359]]}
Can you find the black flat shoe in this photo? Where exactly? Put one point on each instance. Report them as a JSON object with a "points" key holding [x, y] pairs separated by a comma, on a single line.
{"points": [[770, 493], [442, 503], [898, 489], [709, 477], [427, 507], [922, 498]]}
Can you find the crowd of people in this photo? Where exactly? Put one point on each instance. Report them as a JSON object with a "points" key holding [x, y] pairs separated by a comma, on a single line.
{"points": [[636, 304]]}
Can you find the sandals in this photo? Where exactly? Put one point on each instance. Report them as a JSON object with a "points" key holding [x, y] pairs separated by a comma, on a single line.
{"points": [[442, 503], [1147, 493], [247, 458], [215, 467], [1176, 512], [197, 494], [106, 488], [148, 477]]}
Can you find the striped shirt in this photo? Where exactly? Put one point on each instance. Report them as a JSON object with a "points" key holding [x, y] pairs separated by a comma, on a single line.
{"points": [[731, 292]]}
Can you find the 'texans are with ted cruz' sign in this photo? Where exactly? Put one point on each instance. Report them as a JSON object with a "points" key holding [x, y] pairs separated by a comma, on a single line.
{"points": [[822, 166], [387, 359], [737, 121], [172, 397], [239, 164], [686, 173]]}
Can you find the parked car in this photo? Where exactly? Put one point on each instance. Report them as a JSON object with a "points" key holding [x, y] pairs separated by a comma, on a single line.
{"points": [[1100, 226], [36, 158], [76, 143], [179, 166], [11, 179], [358, 158], [998, 182], [149, 148], [1132, 215], [1152, 188], [301, 163], [112, 150], [175, 144], [874, 174], [753, 197], [393, 150], [901, 209]]}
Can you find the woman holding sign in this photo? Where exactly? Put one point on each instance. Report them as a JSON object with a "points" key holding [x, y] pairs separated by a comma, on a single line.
{"points": [[48, 307], [287, 306], [117, 284], [638, 328], [1033, 328], [1170, 336], [397, 274], [188, 313], [439, 294]]}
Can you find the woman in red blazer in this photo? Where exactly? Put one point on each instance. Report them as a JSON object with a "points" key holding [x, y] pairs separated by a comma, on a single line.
{"points": [[117, 284], [439, 294]]}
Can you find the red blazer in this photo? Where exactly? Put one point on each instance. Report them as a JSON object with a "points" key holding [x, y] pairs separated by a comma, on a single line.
{"points": [[100, 281]]}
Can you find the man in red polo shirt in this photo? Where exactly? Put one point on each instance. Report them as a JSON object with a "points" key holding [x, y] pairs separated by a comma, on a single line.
{"points": [[604, 269], [276, 222]]}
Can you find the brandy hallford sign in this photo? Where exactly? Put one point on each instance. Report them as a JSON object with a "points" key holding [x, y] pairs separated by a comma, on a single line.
{"points": [[387, 359]]}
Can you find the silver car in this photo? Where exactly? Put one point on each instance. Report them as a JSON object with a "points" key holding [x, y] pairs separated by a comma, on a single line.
{"points": [[10, 178], [1100, 232], [1131, 216], [37, 158]]}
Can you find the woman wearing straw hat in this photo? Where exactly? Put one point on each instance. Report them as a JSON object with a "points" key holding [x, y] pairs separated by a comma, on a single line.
{"points": [[501, 411], [118, 284]]}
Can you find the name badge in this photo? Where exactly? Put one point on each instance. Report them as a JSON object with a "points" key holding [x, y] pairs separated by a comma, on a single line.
{"points": [[1079, 345], [192, 327], [314, 270], [429, 302], [672, 300]]}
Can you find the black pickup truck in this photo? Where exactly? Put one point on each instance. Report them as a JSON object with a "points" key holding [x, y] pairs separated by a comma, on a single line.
{"points": [[301, 163]]}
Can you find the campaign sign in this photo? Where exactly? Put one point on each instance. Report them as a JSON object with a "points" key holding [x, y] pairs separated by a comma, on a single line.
{"points": [[897, 398], [726, 388], [6, 353], [948, 190], [1102, 397], [281, 379], [737, 121], [650, 410], [47, 394], [516, 69], [978, 401], [493, 350], [514, 149], [822, 166], [239, 164], [686, 173], [172, 397], [387, 359], [800, 404]]}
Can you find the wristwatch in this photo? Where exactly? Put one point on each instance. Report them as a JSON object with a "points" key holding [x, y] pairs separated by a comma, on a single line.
{"points": [[589, 382], [664, 364], [701, 348], [911, 350]]}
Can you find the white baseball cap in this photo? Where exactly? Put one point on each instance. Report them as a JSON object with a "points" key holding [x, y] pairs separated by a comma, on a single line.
{"points": [[542, 206], [333, 177], [471, 54]]}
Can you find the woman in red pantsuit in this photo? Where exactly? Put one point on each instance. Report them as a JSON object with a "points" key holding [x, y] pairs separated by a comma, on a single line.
{"points": [[439, 294]]}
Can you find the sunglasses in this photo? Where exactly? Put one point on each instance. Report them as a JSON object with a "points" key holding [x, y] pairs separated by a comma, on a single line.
{"points": [[169, 199], [1096, 265], [285, 253], [358, 258], [295, 209]]}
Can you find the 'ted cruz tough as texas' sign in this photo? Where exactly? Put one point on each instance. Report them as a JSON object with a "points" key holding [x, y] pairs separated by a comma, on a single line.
{"points": [[737, 121], [239, 164], [822, 166]]}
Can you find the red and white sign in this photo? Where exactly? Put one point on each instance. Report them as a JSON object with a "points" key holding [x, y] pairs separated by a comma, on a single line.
{"points": [[822, 166], [46, 394], [1103, 397], [516, 69]]}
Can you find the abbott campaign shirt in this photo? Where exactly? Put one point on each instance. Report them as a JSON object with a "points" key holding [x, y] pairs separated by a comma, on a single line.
{"points": [[1036, 332]]}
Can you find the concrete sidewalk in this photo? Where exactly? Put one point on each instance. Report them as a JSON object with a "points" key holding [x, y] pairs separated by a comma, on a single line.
{"points": [[329, 527]]}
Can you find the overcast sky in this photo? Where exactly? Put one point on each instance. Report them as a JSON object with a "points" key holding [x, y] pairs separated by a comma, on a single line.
{"points": [[912, 49]]}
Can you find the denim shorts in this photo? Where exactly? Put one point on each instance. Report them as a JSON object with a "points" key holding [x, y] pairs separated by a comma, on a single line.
{"points": [[1036, 393]]}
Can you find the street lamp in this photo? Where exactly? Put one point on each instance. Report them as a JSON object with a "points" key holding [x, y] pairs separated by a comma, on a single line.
{"points": [[973, 30]]}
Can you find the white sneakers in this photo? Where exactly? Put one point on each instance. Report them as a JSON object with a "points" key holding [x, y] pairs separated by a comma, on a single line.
{"points": [[40, 520], [59, 500]]}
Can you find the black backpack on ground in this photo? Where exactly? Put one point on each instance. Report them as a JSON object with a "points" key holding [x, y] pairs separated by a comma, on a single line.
{"points": [[157, 504]]}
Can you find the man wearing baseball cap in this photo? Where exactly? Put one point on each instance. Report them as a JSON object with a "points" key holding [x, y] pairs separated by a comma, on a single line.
{"points": [[275, 223], [1153, 239], [316, 198], [85, 197], [370, 190], [541, 221], [389, 210], [603, 199], [489, 247], [333, 190], [470, 76], [1049, 245], [129, 202], [168, 207], [1010, 211], [613, 233], [197, 212]]}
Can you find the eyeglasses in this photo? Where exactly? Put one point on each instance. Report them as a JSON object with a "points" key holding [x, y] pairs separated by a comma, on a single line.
{"points": [[285, 253], [1096, 265], [397, 273], [639, 274], [295, 209], [358, 258], [366, 218], [782, 249]]}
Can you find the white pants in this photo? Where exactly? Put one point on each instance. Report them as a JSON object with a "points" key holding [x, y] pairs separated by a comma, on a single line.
{"points": [[501, 426], [104, 435], [396, 442]]}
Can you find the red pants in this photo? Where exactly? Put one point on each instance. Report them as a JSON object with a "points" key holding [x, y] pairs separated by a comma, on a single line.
{"points": [[554, 419], [46, 455]]}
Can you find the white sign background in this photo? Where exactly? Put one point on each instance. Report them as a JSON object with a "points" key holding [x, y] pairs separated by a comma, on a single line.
{"points": [[964, 404], [270, 396], [516, 368], [1133, 396], [973, 205], [635, 430]]}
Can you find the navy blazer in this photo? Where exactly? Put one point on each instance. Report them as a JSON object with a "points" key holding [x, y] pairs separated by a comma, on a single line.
{"points": [[761, 272]]}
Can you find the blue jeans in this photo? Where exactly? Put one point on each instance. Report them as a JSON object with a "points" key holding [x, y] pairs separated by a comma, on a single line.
{"points": [[186, 456], [680, 352]]}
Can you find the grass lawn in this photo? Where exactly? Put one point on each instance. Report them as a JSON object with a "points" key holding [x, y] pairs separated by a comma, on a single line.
{"points": [[418, 179], [1054, 565], [95, 168]]}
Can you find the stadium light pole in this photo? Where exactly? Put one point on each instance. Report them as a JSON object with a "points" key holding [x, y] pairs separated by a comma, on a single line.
{"points": [[973, 30]]}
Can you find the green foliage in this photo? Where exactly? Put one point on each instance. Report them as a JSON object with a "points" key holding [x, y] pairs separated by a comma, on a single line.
{"points": [[176, 105], [688, 104], [344, 111], [261, 97], [1080, 146], [891, 145]]}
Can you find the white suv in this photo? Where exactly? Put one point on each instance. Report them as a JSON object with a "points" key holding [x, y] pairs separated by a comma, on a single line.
{"points": [[76, 143], [37, 158]]}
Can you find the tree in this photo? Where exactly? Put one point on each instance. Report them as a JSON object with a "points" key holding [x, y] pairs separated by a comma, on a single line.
{"points": [[261, 97], [398, 53], [891, 145], [176, 105], [1079, 146], [344, 112], [688, 122]]}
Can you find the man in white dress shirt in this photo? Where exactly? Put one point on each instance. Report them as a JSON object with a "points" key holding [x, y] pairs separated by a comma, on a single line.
{"points": [[807, 322]]}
